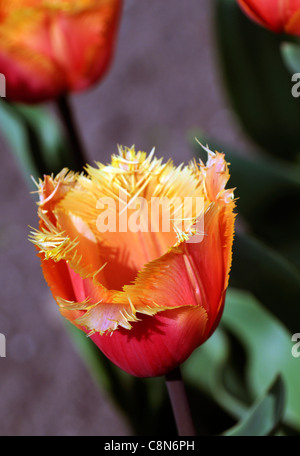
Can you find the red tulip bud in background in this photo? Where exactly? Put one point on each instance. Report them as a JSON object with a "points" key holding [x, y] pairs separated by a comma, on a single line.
{"points": [[49, 48], [281, 16], [151, 289]]}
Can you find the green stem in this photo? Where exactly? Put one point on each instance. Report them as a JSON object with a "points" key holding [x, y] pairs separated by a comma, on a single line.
{"points": [[75, 142], [180, 404]]}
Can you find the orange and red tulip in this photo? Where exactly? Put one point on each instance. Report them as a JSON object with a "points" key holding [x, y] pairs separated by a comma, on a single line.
{"points": [[147, 297], [281, 16], [50, 47]]}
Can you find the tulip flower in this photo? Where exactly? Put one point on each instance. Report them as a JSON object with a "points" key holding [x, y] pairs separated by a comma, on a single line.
{"points": [[49, 48], [146, 294], [281, 16]]}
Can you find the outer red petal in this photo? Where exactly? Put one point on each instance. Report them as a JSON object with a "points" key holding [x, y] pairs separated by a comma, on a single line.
{"points": [[156, 345]]}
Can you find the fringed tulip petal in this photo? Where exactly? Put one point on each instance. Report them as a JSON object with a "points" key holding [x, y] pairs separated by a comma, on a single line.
{"points": [[57, 277], [158, 293]]}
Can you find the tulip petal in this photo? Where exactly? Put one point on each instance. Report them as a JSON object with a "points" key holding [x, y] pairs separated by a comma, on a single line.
{"points": [[66, 237], [190, 274], [164, 284], [108, 314], [195, 274], [157, 344], [101, 317], [132, 176], [57, 277], [83, 56]]}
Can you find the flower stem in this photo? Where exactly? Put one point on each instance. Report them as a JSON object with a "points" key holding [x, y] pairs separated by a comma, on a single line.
{"points": [[75, 143], [180, 404]]}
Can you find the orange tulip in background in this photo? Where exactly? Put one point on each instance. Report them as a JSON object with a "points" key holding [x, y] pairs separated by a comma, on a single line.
{"points": [[146, 298], [282, 16], [49, 48]]}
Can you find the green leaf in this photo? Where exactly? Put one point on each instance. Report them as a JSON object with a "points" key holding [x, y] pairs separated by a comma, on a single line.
{"points": [[268, 353], [269, 349], [13, 129], [291, 56], [205, 369], [273, 280], [35, 139], [257, 81], [265, 415]]}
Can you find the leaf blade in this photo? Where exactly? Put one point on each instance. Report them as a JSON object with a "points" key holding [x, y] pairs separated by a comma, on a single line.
{"points": [[264, 416]]}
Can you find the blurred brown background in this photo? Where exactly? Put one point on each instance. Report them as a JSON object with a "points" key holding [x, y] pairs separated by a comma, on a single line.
{"points": [[164, 81]]}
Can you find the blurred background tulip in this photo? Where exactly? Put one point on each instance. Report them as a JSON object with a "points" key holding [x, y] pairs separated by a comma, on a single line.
{"points": [[281, 16], [55, 47]]}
